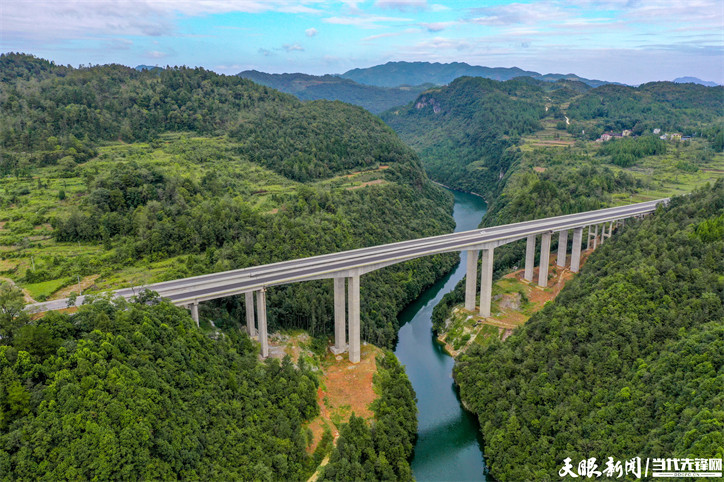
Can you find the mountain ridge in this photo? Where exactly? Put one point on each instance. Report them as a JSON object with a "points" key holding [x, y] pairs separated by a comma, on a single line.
{"points": [[332, 87], [413, 73], [694, 80]]}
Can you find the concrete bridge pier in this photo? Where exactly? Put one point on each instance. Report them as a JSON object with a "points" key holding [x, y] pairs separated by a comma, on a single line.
{"points": [[576, 251], [195, 312], [261, 313], [354, 322], [588, 238], [486, 282], [545, 252], [250, 318], [562, 248], [470, 279], [340, 336], [595, 237], [529, 258]]}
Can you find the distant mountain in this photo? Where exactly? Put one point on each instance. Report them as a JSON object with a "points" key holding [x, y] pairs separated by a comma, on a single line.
{"points": [[393, 74], [151, 68], [331, 87], [694, 80]]}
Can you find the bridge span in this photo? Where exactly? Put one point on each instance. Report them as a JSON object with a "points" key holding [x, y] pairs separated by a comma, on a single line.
{"points": [[346, 268]]}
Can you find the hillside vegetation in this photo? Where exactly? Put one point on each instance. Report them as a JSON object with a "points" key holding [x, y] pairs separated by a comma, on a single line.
{"points": [[210, 173], [464, 131], [135, 391], [526, 145], [628, 361], [393, 74], [332, 87]]}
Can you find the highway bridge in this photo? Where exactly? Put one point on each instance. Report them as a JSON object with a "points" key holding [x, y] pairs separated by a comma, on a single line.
{"points": [[346, 268]]}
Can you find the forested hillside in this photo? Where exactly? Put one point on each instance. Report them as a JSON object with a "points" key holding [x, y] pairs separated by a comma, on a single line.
{"points": [[122, 177], [628, 361], [332, 87], [393, 74], [463, 131], [135, 391], [689, 109], [525, 144]]}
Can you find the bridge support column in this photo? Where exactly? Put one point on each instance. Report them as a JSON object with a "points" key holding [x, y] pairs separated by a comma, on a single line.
{"points": [[486, 282], [250, 318], [545, 252], [195, 312], [340, 335], [588, 239], [261, 313], [576, 251], [562, 248], [595, 237], [529, 258], [471, 279], [354, 324]]}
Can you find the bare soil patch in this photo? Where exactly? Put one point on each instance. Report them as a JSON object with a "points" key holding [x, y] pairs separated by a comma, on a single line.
{"points": [[345, 388], [85, 283], [368, 183]]}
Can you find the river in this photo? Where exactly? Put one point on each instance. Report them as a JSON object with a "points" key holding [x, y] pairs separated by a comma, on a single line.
{"points": [[449, 446]]}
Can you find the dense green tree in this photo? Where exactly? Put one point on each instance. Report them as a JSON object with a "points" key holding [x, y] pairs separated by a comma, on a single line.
{"points": [[12, 316], [135, 391], [140, 211], [628, 361]]}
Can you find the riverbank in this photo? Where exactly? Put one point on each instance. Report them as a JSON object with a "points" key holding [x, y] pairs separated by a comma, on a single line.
{"points": [[449, 445], [514, 301], [452, 189]]}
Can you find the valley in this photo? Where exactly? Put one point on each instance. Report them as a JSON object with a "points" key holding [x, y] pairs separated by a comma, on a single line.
{"points": [[113, 177]]}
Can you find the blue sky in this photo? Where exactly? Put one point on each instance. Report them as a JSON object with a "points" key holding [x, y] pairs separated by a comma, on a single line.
{"points": [[630, 41]]}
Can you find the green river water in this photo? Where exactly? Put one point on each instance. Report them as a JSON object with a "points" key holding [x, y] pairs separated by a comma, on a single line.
{"points": [[449, 447]]}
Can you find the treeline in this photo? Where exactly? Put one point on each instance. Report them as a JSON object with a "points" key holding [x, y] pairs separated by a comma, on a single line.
{"points": [[626, 151], [569, 182], [381, 451], [685, 108], [628, 361], [140, 211], [43, 118], [463, 131], [332, 87], [134, 391], [143, 208]]}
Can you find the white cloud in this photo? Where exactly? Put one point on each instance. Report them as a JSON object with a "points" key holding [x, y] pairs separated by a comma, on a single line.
{"points": [[364, 21], [517, 13], [390, 34], [311, 32], [293, 48], [437, 26], [156, 54], [61, 19], [401, 4]]}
